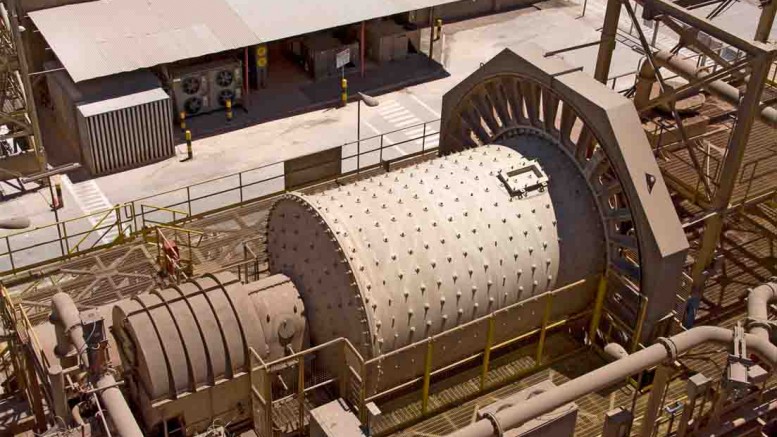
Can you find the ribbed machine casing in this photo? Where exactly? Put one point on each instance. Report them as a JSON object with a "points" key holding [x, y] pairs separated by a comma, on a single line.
{"points": [[187, 347]]}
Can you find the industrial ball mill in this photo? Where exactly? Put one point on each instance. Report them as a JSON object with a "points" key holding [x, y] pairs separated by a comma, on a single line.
{"points": [[526, 198]]}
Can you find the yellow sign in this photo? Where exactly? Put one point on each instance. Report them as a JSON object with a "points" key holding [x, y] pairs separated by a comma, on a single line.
{"points": [[261, 50], [261, 62]]}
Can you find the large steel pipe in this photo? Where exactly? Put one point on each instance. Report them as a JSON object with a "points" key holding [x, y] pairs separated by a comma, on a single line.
{"points": [[758, 309], [118, 410], [67, 323], [612, 373], [689, 71]]}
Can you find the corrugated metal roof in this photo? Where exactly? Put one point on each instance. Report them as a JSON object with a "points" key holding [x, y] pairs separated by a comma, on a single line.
{"points": [[105, 37], [128, 101], [110, 36]]}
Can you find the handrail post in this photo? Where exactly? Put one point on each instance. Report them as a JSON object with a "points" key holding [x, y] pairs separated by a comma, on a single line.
{"points": [[543, 329], [427, 376], [67, 241], [599, 303], [301, 393], [640, 323], [423, 139], [380, 158], [118, 223], [267, 386], [188, 200], [363, 392], [342, 385], [240, 185], [59, 234], [10, 253], [487, 352]]}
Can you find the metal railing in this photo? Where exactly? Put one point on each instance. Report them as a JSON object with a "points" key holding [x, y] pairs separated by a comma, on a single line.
{"points": [[31, 248], [361, 382]]}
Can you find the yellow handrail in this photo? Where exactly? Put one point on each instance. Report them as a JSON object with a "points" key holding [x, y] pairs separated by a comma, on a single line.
{"points": [[94, 228]]}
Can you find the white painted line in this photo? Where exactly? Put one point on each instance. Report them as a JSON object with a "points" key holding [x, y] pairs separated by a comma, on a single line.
{"points": [[397, 110], [415, 132], [386, 139], [388, 104], [401, 117], [427, 107], [409, 122]]}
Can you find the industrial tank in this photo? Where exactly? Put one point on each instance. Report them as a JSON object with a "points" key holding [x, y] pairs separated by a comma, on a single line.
{"points": [[396, 258]]}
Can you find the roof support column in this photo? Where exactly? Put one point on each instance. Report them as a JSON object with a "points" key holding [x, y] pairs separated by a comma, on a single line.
{"points": [[607, 46], [362, 42]]}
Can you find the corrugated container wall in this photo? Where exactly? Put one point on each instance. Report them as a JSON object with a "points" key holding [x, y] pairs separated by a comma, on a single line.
{"points": [[113, 123], [128, 137]]}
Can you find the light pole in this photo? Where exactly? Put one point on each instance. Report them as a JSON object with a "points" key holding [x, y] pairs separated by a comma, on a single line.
{"points": [[371, 102]]}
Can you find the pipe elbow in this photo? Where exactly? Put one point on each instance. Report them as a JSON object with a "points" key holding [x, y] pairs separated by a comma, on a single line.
{"points": [[757, 308], [67, 317], [615, 351]]}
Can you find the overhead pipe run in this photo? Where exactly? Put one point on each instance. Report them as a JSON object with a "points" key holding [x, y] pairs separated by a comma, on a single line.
{"points": [[664, 349], [758, 309], [67, 324], [689, 71]]}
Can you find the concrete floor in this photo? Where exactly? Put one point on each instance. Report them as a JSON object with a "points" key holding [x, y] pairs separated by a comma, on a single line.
{"points": [[552, 25]]}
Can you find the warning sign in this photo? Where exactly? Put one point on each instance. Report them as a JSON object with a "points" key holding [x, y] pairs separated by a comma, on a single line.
{"points": [[343, 58]]}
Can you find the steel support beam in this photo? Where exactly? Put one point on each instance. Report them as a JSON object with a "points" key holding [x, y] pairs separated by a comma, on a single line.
{"points": [[656, 399], [607, 44], [24, 71], [766, 21], [657, 7], [721, 89]]}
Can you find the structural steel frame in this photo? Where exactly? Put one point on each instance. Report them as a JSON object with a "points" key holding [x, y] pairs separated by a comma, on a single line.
{"points": [[17, 103], [759, 58]]}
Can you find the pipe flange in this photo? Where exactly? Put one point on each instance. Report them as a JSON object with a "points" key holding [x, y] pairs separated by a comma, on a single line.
{"points": [[751, 323], [491, 417], [668, 344]]}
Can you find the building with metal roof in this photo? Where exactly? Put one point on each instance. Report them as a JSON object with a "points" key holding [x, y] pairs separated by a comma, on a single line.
{"points": [[103, 37]]}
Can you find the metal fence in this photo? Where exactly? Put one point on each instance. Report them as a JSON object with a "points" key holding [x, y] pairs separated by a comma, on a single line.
{"points": [[41, 245], [339, 366]]}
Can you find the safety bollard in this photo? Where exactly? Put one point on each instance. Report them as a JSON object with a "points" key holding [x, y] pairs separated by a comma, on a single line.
{"points": [[229, 109], [182, 118], [60, 199], [189, 154], [188, 136], [438, 29], [344, 92]]}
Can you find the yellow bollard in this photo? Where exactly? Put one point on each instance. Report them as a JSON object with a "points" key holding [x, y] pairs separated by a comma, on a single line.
{"points": [[344, 91], [60, 199], [188, 136], [182, 118], [229, 109], [438, 29]]}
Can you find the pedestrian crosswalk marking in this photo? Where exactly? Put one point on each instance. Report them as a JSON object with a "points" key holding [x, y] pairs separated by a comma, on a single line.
{"points": [[407, 122], [91, 200]]}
